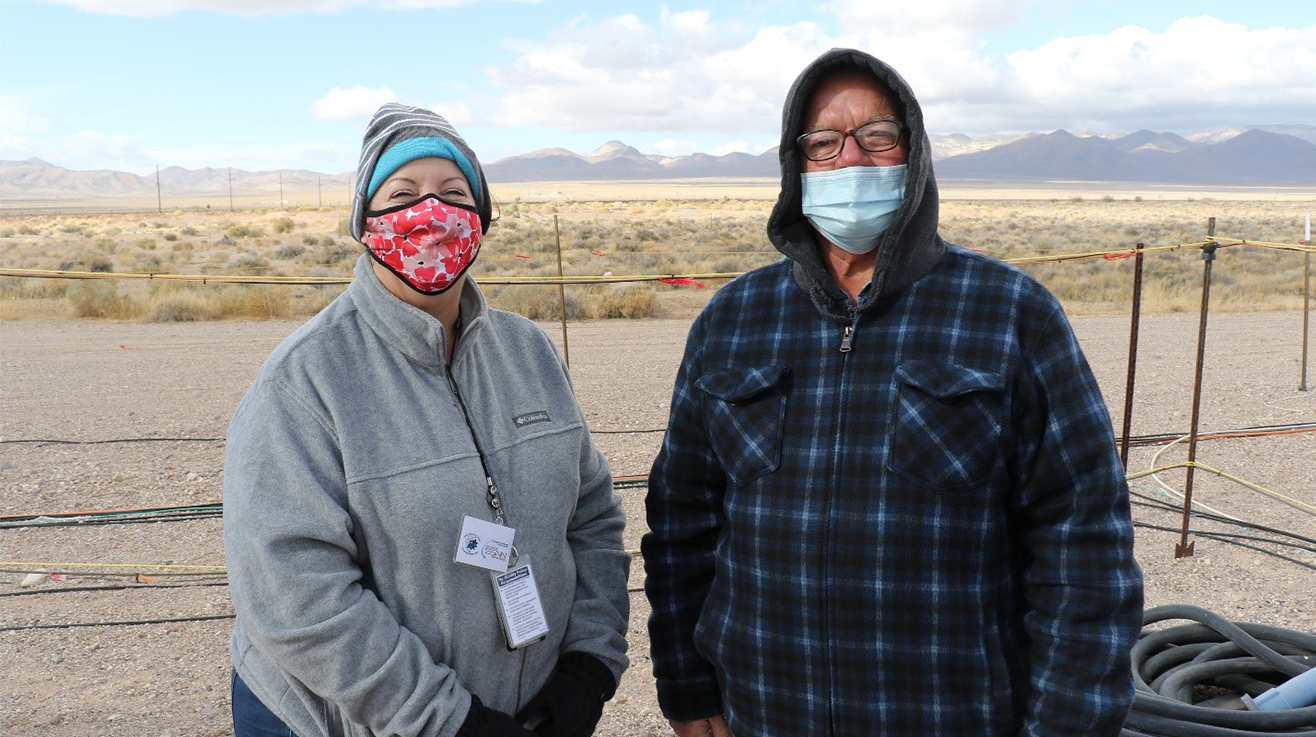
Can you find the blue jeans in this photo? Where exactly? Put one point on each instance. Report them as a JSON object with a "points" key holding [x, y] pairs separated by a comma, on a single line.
{"points": [[251, 718]]}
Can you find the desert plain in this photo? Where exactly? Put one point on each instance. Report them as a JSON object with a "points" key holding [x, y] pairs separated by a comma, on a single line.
{"points": [[129, 412]]}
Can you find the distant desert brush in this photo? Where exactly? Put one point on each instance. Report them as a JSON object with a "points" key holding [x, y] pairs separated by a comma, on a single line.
{"points": [[662, 236]]}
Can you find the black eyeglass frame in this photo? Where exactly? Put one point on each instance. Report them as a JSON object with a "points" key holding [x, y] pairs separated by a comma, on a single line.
{"points": [[900, 131]]}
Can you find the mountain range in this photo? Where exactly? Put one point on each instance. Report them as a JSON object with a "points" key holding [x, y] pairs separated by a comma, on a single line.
{"points": [[1253, 156]]}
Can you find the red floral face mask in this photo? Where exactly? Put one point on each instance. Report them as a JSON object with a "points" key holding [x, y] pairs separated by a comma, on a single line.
{"points": [[428, 243]]}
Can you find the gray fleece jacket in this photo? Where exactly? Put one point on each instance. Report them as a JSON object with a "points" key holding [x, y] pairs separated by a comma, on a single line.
{"points": [[348, 471]]}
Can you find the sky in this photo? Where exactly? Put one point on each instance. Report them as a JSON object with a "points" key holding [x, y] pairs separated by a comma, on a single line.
{"points": [[289, 84]]}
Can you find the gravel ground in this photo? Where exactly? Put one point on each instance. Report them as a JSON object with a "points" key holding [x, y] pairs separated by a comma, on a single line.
{"points": [[95, 381]]}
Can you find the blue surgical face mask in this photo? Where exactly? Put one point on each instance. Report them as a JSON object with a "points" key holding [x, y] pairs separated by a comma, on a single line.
{"points": [[852, 207]]}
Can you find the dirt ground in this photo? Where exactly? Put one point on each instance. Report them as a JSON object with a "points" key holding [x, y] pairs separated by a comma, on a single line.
{"points": [[143, 383]]}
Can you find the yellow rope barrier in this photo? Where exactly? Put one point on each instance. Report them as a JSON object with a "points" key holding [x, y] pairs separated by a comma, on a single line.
{"points": [[332, 280], [1111, 254]]}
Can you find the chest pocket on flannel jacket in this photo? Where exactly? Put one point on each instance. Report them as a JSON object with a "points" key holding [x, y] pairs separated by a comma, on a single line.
{"points": [[743, 414], [946, 424]]}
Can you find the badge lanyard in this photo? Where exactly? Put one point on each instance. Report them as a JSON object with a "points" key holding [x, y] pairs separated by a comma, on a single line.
{"points": [[489, 546]]}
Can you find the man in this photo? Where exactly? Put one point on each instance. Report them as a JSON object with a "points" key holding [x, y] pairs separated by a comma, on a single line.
{"points": [[888, 501]]}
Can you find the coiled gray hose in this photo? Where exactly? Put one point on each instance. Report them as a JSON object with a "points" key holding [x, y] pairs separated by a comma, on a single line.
{"points": [[1244, 658]]}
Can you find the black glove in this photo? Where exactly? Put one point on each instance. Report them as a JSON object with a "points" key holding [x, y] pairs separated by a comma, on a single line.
{"points": [[572, 700], [481, 721]]}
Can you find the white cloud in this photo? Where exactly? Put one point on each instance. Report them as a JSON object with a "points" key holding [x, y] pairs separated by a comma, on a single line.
{"points": [[85, 149], [687, 74], [693, 74], [345, 104], [1199, 72], [894, 18]]}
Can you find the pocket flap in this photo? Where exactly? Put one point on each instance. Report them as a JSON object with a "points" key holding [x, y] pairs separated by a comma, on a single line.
{"points": [[946, 381], [739, 384]]}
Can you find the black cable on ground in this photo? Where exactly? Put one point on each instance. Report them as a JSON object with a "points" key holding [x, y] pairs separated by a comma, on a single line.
{"points": [[1273, 535], [1212, 517], [1252, 431], [1168, 664], [111, 516], [54, 441], [86, 520], [1134, 440], [1232, 540], [110, 587], [125, 623]]}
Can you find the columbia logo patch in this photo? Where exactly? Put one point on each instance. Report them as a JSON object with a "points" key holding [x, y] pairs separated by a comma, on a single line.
{"points": [[532, 418]]}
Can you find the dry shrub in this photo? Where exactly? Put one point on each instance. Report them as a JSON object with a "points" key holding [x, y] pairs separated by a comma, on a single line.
{"points": [[630, 302], [319, 299], [256, 302], [535, 302], [88, 261], [244, 230], [149, 263], [13, 287], [179, 306], [100, 298], [248, 262], [544, 302], [333, 252]]}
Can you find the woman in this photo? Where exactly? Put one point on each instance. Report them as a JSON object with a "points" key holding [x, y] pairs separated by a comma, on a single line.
{"points": [[399, 458]]}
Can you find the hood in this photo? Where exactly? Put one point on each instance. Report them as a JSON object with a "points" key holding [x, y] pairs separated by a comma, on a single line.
{"points": [[909, 248]]}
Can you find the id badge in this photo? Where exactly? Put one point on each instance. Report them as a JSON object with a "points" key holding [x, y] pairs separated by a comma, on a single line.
{"points": [[520, 611], [484, 544]]}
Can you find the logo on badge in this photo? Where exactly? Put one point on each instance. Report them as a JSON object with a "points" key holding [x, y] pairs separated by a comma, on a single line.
{"points": [[493, 551], [471, 544]]}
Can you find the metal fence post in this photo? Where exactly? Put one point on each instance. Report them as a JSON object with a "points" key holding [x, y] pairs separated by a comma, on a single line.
{"points": [[1133, 355], [1184, 548]]}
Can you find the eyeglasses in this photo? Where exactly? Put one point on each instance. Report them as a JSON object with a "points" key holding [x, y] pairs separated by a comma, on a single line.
{"points": [[874, 137]]}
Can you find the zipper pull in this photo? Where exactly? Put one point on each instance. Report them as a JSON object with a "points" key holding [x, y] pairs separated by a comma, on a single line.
{"points": [[845, 338]]}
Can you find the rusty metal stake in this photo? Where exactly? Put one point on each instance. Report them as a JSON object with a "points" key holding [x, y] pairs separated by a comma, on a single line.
{"points": [[1184, 548], [1133, 355]]}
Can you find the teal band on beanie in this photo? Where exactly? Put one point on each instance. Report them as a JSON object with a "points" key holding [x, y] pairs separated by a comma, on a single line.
{"points": [[404, 152]]}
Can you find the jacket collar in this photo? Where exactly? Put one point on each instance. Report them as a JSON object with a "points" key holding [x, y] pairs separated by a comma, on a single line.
{"points": [[412, 331]]}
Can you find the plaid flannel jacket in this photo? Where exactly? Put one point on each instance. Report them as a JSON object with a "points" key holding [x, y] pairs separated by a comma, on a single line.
{"points": [[913, 523]]}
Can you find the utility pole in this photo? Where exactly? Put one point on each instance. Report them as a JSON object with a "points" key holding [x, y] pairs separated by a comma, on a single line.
{"points": [[319, 190], [230, 189], [280, 189], [159, 201]]}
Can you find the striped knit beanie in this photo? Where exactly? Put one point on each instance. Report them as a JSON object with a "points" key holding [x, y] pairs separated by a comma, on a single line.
{"points": [[398, 134]]}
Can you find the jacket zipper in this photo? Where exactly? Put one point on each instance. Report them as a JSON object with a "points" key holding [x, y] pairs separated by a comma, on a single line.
{"points": [[847, 344]]}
